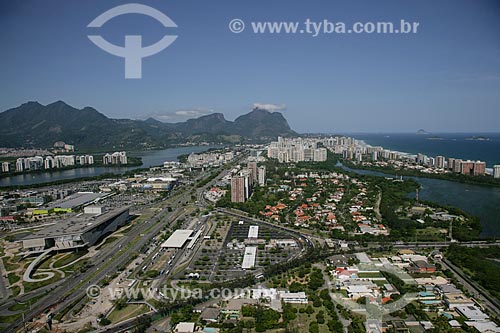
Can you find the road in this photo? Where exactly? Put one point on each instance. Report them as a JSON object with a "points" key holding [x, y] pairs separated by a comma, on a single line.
{"points": [[180, 255], [107, 262], [416, 245], [473, 288], [68, 293], [4, 293]]}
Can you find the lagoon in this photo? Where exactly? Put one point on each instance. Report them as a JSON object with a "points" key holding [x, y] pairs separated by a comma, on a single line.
{"points": [[149, 158], [480, 201]]}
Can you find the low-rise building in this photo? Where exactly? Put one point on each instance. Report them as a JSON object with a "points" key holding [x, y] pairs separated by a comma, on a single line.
{"points": [[471, 312], [185, 327], [457, 300], [293, 298]]}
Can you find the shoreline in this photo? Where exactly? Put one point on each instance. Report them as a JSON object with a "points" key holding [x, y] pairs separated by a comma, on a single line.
{"points": [[105, 175], [463, 137], [489, 224], [54, 170], [486, 180], [457, 178]]}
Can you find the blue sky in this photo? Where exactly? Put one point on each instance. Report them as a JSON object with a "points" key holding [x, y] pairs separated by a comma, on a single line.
{"points": [[446, 78]]}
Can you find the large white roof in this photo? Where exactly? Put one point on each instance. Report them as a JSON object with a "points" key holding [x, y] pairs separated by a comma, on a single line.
{"points": [[249, 257], [253, 232], [178, 238]]}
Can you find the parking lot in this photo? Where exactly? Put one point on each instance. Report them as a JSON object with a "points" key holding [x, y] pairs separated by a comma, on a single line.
{"points": [[220, 257]]}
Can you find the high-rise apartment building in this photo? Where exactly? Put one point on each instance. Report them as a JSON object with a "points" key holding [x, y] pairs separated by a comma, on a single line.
{"points": [[479, 168], [439, 162], [241, 187], [320, 155], [49, 162], [467, 168], [262, 175], [85, 159], [20, 165], [496, 171], [450, 163], [238, 189], [252, 166], [421, 158], [119, 157], [296, 150]]}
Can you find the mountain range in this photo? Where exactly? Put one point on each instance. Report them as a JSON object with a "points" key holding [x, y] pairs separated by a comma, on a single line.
{"points": [[33, 125]]}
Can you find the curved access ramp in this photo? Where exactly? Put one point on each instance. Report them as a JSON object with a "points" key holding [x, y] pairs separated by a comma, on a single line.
{"points": [[34, 263]]}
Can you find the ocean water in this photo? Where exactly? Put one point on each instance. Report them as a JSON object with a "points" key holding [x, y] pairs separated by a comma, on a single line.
{"points": [[449, 145]]}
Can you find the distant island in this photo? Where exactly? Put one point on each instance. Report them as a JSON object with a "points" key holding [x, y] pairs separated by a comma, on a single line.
{"points": [[477, 138], [422, 132]]}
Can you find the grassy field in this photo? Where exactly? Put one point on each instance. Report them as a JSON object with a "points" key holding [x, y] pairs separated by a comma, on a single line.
{"points": [[13, 278], [29, 286], [9, 266], [370, 275], [380, 283], [25, 305], [48, 260], [131, 310], [69, 257], [15, 290], [108, 241], [10, 319], [46, 263], [430, 234]]}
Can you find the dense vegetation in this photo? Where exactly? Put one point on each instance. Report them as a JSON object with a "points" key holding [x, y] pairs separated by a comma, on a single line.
{"points": [[207, 179], [265, 318], [35, 125], [394, 205], [482, 264], [399, 284], [468, 231]]}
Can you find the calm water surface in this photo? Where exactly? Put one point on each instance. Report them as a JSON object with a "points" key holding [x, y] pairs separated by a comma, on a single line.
{"points": [[149, 158], [480, 201]]}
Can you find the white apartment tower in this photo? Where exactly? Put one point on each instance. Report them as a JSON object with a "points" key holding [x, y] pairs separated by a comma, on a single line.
{"points": [[262, 175], [496, 171]]}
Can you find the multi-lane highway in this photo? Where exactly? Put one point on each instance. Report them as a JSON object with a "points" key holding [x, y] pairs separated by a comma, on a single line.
{"points": [[69, 292], [105, 262], [488, 301]]}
